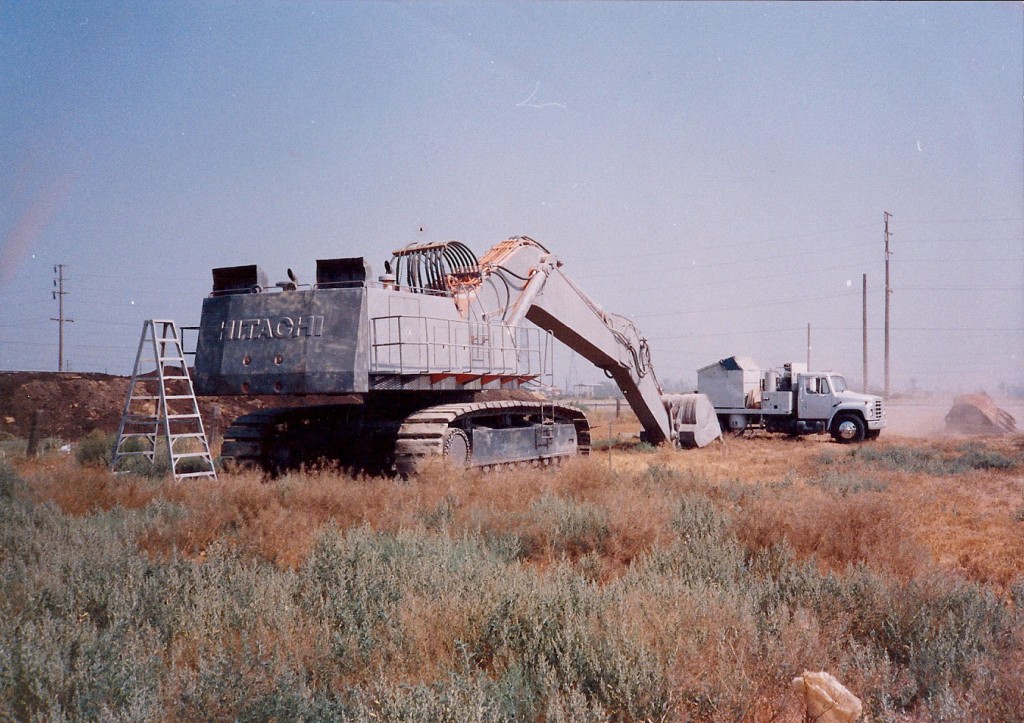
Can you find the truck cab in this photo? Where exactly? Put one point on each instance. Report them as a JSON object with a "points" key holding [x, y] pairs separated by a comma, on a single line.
{"points": [[823, 397]]}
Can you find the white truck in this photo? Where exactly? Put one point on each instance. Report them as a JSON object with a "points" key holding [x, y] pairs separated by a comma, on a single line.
{"points": [[790, 400]]}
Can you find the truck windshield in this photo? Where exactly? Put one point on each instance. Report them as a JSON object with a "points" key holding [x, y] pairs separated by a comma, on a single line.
{"points": [[838, 384]]}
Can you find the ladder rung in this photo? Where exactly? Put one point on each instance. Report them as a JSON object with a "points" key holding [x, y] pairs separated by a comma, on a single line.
{"points": [[153, 419], [135, 435], [177, 376], [153, 397], [188, 435], [192, 455], [210, 473]]}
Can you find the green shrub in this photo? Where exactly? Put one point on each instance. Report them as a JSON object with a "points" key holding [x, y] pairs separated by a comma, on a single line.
{"points": [[847, 483], [899, 458], [95, 449], [659, 474], [10, 483], [972, 458], [139, 464], [572, 528], [12, 447]]}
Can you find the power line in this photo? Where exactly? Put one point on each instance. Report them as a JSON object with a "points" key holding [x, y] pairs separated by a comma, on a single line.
{"points": [[961, 288], [77, 346], [929, 328], [745, 260], [724, 333], [756, 305], [972, 239], [1017, 219], [120, 279], [728, 281], [971, 259], [740, 244], [109, 323]]}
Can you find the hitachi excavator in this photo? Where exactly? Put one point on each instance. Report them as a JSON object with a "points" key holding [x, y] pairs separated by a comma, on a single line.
{"points": [[422, 361]]}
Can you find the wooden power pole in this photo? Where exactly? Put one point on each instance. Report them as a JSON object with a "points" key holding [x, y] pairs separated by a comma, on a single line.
{"points": [[888, 295], [864, 304], [58, 294]]}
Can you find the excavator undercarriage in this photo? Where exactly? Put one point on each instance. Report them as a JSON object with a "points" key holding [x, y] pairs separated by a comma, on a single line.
{"points": [[483, 434]]}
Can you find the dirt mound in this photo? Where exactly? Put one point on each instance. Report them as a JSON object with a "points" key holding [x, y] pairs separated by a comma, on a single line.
{"points": [[978, 414], [73, 403]]}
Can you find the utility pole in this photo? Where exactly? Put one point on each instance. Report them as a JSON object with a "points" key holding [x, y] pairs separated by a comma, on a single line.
{"points": [[58, 294], [864, 303], [888, 295], [808, 346]]}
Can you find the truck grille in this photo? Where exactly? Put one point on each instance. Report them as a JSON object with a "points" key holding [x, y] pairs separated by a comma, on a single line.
{"points": [[879, 409]]}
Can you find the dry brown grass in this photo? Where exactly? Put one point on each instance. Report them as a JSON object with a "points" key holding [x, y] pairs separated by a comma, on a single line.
{"points": [[81, 490], [971, 522], [835, 531], [610, 519], [974, 523]]}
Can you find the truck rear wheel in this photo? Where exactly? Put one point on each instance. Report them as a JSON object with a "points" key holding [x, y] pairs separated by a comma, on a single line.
{"points": [[848, 429]]}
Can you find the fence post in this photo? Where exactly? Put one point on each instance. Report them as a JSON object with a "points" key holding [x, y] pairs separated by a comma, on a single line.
{"points": [[33, 434]]}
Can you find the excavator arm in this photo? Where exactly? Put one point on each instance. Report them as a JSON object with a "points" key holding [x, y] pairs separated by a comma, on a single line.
{"points": [[538, 291]]}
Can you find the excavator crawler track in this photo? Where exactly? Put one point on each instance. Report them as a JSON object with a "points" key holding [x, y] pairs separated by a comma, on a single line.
{"points": [[243, 440], [496, 433]]}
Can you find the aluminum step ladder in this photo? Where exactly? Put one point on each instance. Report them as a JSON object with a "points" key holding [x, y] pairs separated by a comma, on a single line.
{"points": [[162, 404]]}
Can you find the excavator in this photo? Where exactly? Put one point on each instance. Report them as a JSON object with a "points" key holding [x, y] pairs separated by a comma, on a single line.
{"points": [[432, 358]]}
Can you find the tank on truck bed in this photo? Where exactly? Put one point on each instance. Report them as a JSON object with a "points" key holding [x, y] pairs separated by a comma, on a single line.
{"points": [[408, 353]]}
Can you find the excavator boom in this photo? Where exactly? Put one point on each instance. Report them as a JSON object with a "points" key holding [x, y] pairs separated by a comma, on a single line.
{"points": [[548, 298]]}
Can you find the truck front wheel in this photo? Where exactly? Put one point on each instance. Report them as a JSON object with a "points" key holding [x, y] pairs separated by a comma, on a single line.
{"points": [[848, 429]]}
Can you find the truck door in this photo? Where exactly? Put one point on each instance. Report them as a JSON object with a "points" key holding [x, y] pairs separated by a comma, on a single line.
{"points": [[815, 400]]}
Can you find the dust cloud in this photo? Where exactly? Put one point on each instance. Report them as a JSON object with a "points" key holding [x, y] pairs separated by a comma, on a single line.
{"points": [[926, 417]]}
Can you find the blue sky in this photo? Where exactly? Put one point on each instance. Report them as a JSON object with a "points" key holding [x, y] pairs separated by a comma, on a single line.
{"points": [[717, 171]]}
